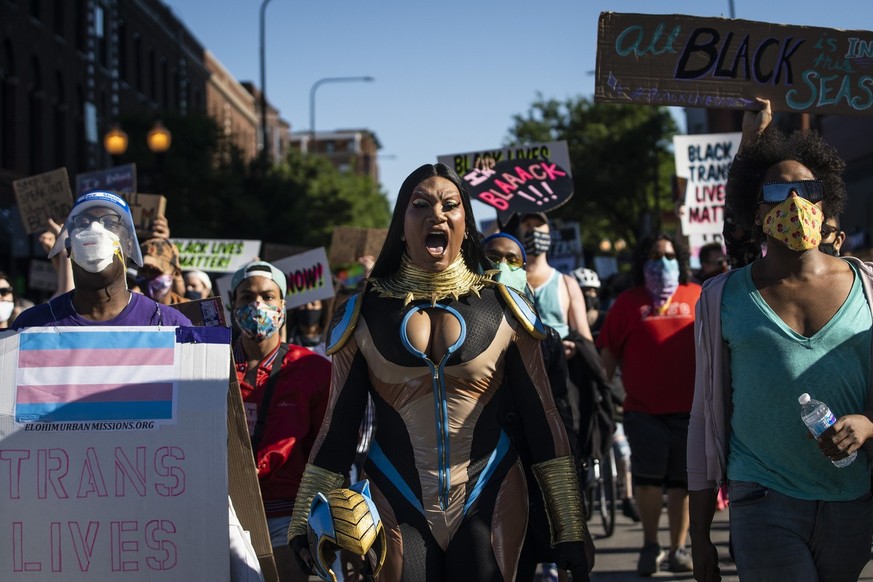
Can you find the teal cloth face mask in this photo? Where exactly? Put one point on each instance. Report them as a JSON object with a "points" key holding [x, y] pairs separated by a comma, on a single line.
{"points": [[515, 277]]}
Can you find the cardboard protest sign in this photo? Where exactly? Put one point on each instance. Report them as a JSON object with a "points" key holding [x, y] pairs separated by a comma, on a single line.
{"points": [[216, 255], [41, 275], [350, 242], [117, 179], [703, 161], [307, 274], [113, 441], [144, 208], [688, 61], [42, 197], [205, 312], [566, 252], [520, 186], [464, 163]]}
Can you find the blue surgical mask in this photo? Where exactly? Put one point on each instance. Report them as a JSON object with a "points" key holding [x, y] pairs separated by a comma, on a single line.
{"points": [[515, 277], [662, 279]]}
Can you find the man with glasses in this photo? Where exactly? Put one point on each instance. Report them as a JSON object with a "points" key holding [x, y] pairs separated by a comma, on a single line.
{"points": [[795, 320], [99, 237]]}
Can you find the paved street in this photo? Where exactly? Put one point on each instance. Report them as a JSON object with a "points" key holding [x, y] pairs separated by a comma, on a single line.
{"points": [[617, 555]]}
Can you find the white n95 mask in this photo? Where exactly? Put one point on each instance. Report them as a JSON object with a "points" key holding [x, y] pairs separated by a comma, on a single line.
{"points": [[93, 248]]}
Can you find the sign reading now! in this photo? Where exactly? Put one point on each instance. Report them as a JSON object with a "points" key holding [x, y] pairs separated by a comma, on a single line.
{"points": [[307, 275], [688, 61]]}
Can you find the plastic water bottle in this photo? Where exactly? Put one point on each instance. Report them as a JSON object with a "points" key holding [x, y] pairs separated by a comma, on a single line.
{"points": [[818, 418]]}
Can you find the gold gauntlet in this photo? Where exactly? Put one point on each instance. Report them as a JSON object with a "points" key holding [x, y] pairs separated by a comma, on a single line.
{"points": [[560, 485], [314, 480]]}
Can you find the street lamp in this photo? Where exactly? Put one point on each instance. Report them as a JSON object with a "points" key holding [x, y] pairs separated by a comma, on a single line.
{"points": [[315, 86], [159, 139], [115, 141], [265, 148]]}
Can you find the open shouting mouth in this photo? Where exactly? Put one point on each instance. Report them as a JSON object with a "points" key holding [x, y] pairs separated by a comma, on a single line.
{"points": [[436, 243]]}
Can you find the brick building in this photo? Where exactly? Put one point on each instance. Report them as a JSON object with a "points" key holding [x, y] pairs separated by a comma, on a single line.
{"points": [[70, 69], [350, 150]]}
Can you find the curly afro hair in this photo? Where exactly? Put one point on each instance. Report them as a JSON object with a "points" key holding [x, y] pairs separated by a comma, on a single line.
{"points": [[806, 147]]}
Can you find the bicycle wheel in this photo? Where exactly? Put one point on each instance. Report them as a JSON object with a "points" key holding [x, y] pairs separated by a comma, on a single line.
{"points": [[588, 489], [606, 492]]}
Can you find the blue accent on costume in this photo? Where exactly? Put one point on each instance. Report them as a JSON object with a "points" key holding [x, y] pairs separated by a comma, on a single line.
{"points": [[485, 476], [337, 332], [441, 409], [377, 456], [525, 310]]}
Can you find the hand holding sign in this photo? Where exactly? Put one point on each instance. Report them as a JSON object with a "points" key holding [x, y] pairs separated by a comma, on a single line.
{"points": [[521, 186]]}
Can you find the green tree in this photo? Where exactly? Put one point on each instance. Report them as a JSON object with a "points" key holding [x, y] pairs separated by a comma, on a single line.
{"points": [[621, 160], [310, 197]]}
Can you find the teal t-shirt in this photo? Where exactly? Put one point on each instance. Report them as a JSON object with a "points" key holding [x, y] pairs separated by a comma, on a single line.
{"points": [[771, 365]]}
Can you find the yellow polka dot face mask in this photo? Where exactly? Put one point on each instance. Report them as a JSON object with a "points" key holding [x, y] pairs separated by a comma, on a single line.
{"points": [[796, 223]]}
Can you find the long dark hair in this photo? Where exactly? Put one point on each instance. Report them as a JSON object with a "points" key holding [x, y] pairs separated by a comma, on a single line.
{"points": [[392, 251], [644, 249]]}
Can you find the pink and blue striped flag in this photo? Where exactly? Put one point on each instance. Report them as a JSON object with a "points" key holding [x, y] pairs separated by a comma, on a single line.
{"points": [[96, 376]]}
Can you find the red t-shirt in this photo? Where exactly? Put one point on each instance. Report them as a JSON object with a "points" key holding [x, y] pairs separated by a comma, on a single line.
{"points": [[656, 351], [294, 417]]}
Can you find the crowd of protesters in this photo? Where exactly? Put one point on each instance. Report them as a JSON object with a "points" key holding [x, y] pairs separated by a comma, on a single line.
{"points": [[661, 363]]}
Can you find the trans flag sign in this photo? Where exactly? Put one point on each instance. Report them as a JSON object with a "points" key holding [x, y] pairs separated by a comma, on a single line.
{"points": [[96, 376], [113, 454]]}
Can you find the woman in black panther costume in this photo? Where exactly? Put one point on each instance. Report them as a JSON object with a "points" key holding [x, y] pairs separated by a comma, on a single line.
{"points": [[438, 345]]}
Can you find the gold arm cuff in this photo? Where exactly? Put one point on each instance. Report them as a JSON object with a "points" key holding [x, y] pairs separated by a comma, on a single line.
{"points": [[560, 485], [314, 480]]}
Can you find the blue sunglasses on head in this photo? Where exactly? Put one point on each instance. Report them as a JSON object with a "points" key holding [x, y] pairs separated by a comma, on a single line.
{"points": [[776, 192]]}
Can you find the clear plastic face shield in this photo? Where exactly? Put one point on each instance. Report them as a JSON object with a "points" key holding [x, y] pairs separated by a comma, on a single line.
{"points": [[98, 219]]}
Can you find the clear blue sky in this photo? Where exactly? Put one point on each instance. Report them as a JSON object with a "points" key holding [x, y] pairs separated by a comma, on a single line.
{"points": [[449, 74]]}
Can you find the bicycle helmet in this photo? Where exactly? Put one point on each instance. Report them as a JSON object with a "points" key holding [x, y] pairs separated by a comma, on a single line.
{"points": [[587, 278]]}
